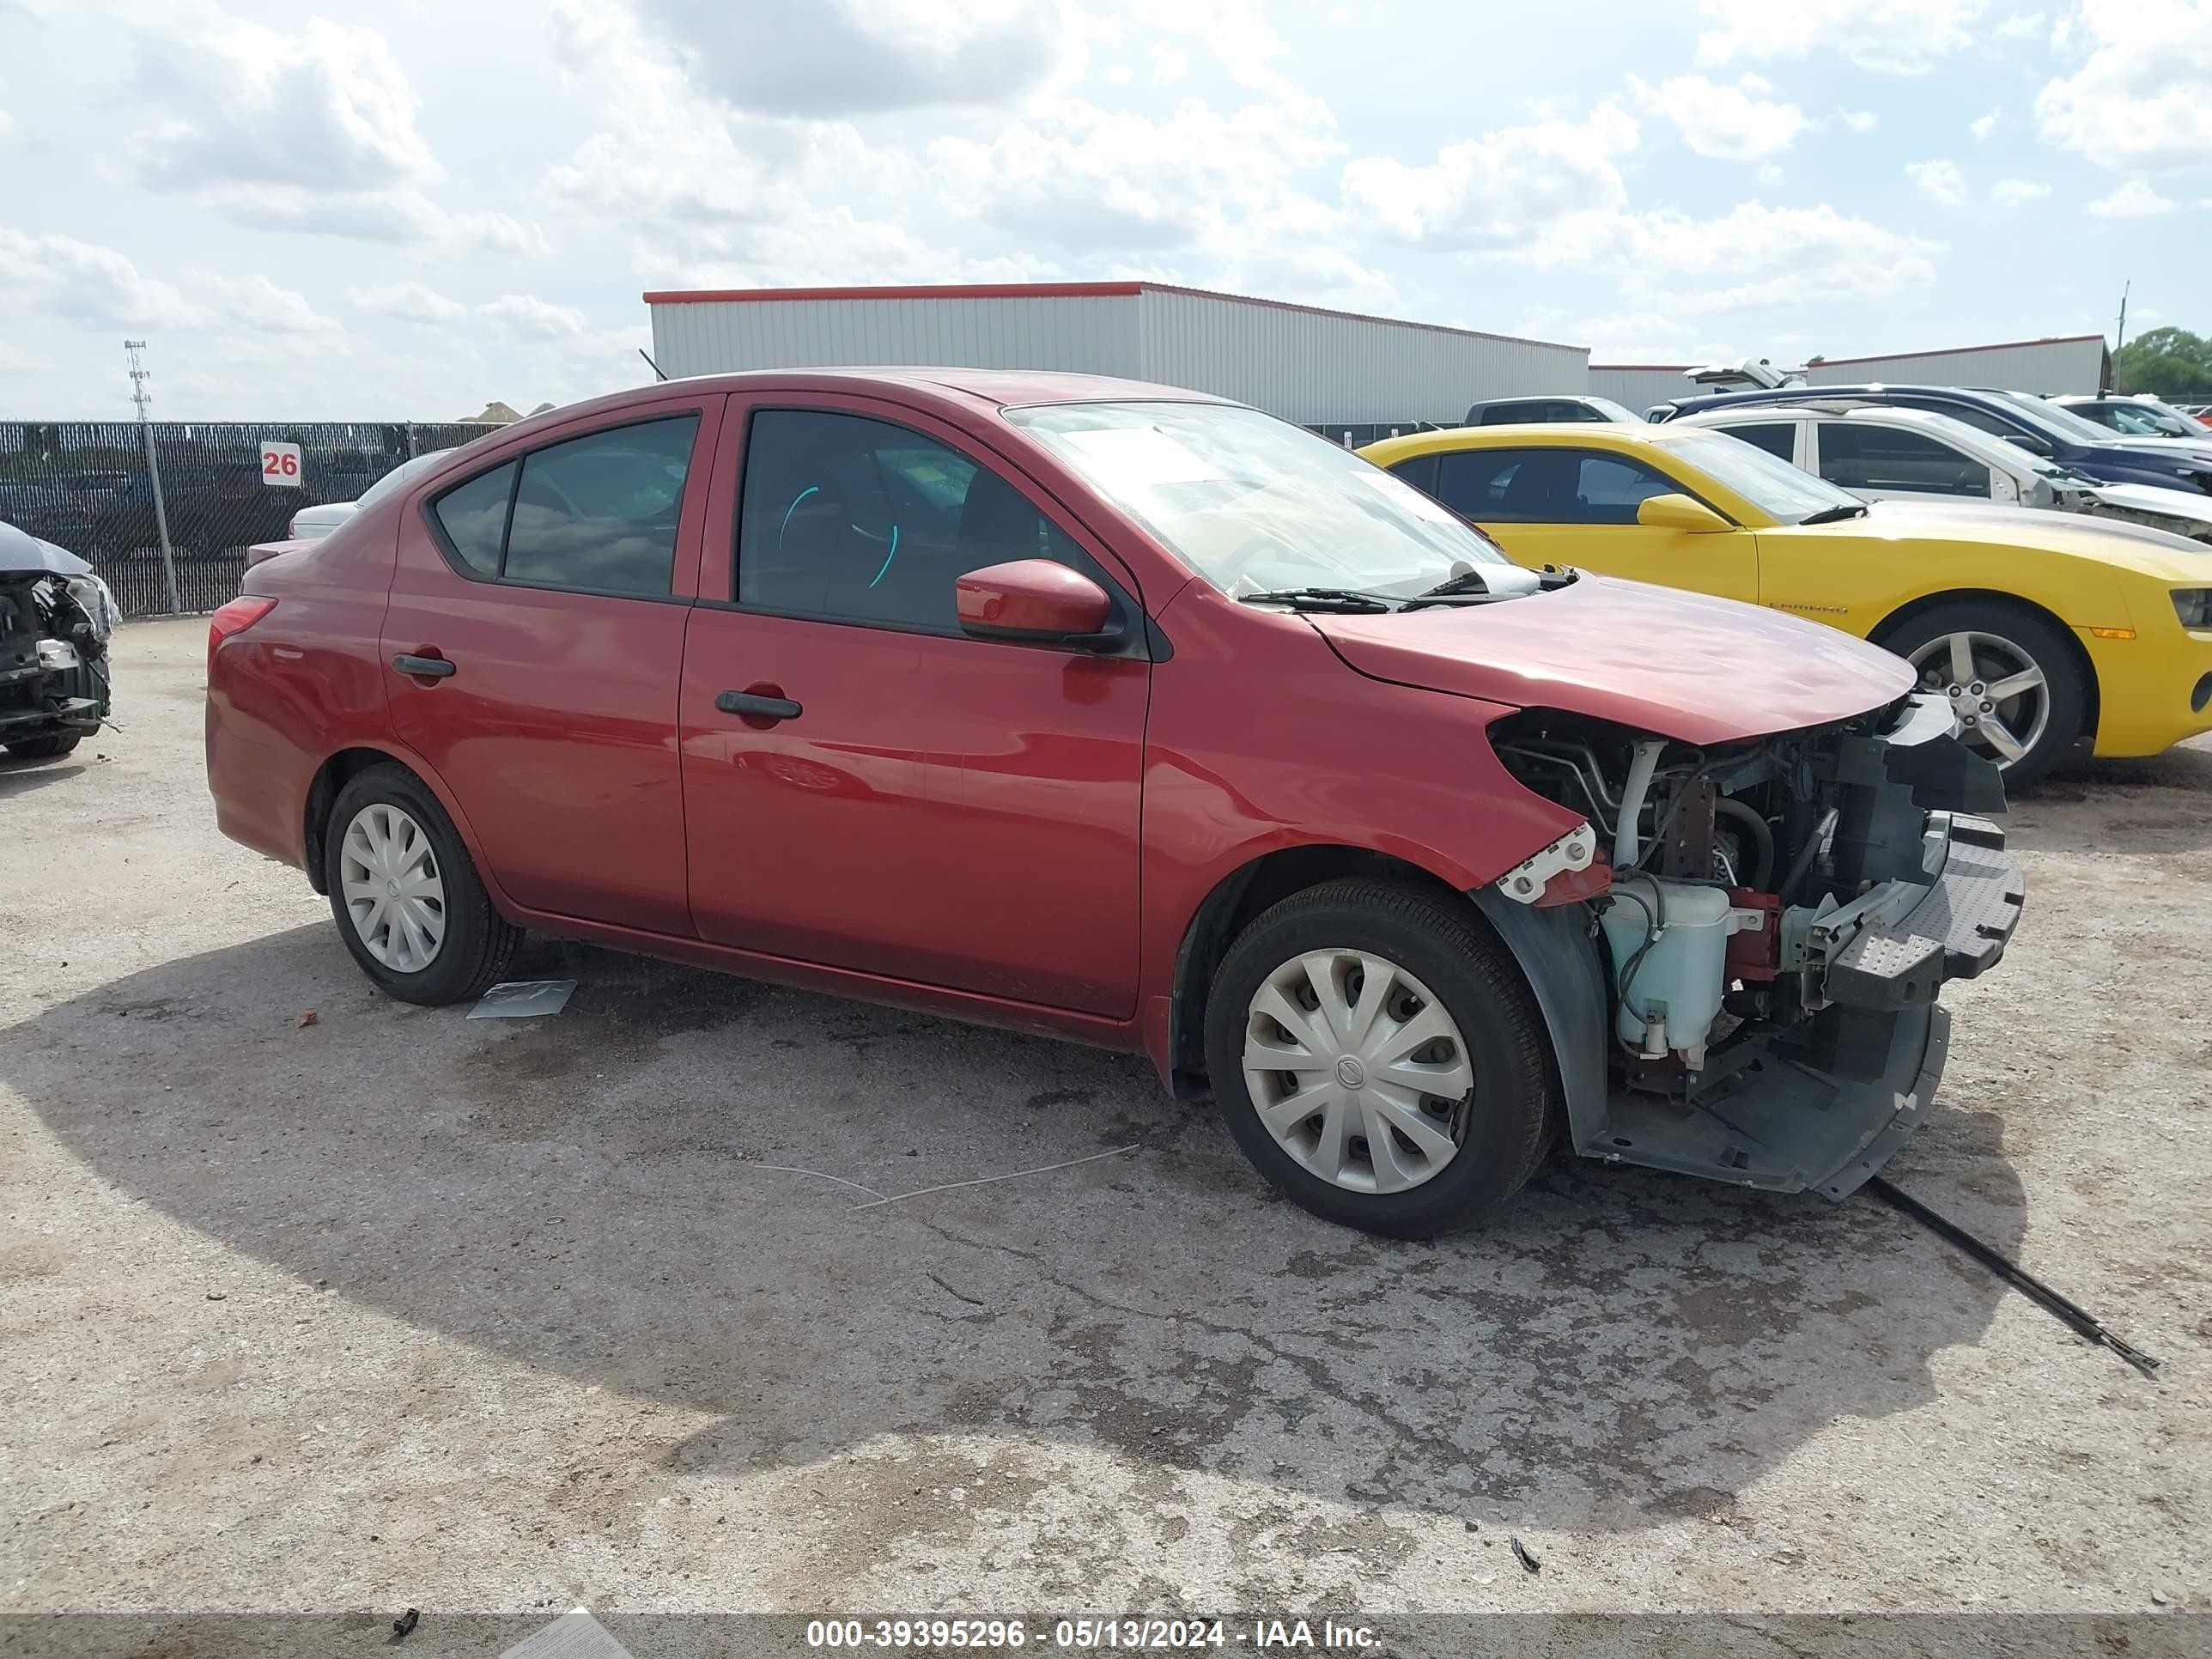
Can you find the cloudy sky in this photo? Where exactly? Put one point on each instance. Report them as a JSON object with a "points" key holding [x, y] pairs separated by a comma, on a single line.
{"points": [[405, 210]]}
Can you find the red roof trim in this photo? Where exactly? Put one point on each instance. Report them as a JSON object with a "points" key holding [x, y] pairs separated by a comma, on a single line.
{"points": [[1056, 291]]}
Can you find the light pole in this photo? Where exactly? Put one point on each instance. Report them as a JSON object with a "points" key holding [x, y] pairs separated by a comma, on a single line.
{"points": [[139, 375]]}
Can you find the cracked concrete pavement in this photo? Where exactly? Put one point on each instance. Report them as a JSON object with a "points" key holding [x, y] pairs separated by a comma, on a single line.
{"points": [[398, 1309]]}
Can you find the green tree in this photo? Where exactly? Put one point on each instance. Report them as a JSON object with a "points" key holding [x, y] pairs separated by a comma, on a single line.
{"points": [[2168, 362]]}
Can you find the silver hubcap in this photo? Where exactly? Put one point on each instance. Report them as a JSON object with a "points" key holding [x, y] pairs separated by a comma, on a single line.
{"points": [[1994, 688], [1357, 1071], [388, 875]]}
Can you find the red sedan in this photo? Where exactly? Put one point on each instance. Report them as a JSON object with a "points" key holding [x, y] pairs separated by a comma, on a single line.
{"points": [[1139, 718]]}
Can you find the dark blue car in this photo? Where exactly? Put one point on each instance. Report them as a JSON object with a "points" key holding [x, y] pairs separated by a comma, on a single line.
{"points": [[2043, 428]]}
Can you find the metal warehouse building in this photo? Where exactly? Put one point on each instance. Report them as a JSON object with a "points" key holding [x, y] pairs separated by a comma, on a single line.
{"points": [[2072, 362], [1334, 369]]}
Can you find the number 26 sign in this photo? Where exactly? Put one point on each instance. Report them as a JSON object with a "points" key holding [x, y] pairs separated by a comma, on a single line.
{"points": [[280, 465]]}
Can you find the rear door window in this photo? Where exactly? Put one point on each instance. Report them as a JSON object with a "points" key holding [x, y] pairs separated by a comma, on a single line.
{"points": [[1777, 438], [596, 514], [599, 512], [1856, 455]]}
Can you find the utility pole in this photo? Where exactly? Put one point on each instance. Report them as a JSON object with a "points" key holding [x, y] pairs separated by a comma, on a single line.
{"points": [[139, 375]]}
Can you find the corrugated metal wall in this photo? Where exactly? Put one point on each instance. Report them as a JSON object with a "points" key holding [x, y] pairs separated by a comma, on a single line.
{"points": [[1639, 384], [2048, 366], [1088, 334], [2045, 366], [1311, 365], [1306, 366]]}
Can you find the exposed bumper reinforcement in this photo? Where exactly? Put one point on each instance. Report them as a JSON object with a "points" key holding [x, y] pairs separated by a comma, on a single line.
{"points": [[1958, 930]]}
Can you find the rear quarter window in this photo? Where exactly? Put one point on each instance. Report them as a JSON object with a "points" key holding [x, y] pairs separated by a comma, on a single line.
{"points": [[474, 517]]}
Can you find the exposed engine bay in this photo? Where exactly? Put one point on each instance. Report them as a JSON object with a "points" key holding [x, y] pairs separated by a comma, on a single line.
{"points": [[54, 685], [1763, 930]]}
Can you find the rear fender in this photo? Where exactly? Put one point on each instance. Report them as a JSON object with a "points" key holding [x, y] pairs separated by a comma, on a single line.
{"points": [[322, 791]]}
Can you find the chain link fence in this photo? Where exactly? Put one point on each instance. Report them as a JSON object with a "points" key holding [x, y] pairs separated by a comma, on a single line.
{"points": [[84, 485]]}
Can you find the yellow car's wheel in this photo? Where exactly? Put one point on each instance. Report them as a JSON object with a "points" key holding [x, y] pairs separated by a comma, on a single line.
{"points": [[2011, 678]]}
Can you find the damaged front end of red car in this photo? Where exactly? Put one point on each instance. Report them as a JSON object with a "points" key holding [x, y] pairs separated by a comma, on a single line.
{"points": [[1739, 952]]}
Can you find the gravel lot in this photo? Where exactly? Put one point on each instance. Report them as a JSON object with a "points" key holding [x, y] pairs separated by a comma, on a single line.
{"points": [[393, 1310]]}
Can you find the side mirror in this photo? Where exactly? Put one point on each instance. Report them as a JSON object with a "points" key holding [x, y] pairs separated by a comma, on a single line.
{"points": [[1034, 602], [2033, 446], [1680, 513]]}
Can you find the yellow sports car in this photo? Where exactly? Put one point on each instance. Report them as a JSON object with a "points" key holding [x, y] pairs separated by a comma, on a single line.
{"points": [[2043, 629]]}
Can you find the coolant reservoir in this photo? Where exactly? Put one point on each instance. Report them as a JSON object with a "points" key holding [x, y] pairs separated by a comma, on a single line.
{"points": [[1675, 995]]}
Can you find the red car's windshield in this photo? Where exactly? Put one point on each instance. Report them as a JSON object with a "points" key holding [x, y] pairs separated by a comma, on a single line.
{"points": [[1253, 503]]}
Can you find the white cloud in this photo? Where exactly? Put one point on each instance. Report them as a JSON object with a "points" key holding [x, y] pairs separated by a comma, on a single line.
{"points": [[1859, 120], [714, 188], [403, 218], [1982, 125], [80, 283], [2133, 200], [310, 129], [2020, 26], [2011, 192], [526, 317], [256, 303], [2144, 98], [1612, 330], [1087, 177], [1501, 188], [411, 302], [1941, 180], [1753, 255], [1897, 37], [1734, 123], [844, 57], [320, 105]]}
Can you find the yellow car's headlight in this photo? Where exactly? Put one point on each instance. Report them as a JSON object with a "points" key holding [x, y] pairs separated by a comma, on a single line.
{"points": [[2194, 605]]}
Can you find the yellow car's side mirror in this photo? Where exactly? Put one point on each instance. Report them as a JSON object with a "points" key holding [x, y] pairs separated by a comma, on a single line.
{"points": [[1680, 513]]}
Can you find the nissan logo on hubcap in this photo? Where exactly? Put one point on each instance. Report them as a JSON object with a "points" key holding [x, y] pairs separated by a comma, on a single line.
{"points": [[1351, 1073]]}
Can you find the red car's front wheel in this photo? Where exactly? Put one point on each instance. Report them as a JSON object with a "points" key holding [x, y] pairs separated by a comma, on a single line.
{"points": [[1380, 1059]]}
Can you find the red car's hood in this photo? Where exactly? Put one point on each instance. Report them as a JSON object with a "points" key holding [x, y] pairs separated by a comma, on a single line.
{"points": [[1679, 665]]}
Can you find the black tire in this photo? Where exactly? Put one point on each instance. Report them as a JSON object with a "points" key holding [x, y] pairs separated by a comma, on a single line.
{"points": [[50, 747], [479, 943], [2065, 685], [1438, 938]]}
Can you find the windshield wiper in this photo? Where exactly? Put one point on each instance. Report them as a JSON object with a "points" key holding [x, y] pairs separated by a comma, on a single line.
{"points": [[1467, 582], [1835, 514], [1348, 600]]}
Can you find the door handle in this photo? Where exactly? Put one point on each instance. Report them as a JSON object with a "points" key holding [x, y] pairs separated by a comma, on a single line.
{"points": [[758, 706], [434, 668]]}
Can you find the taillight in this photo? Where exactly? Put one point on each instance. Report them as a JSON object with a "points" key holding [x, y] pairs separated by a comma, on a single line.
{"points": [[241, 614]]}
